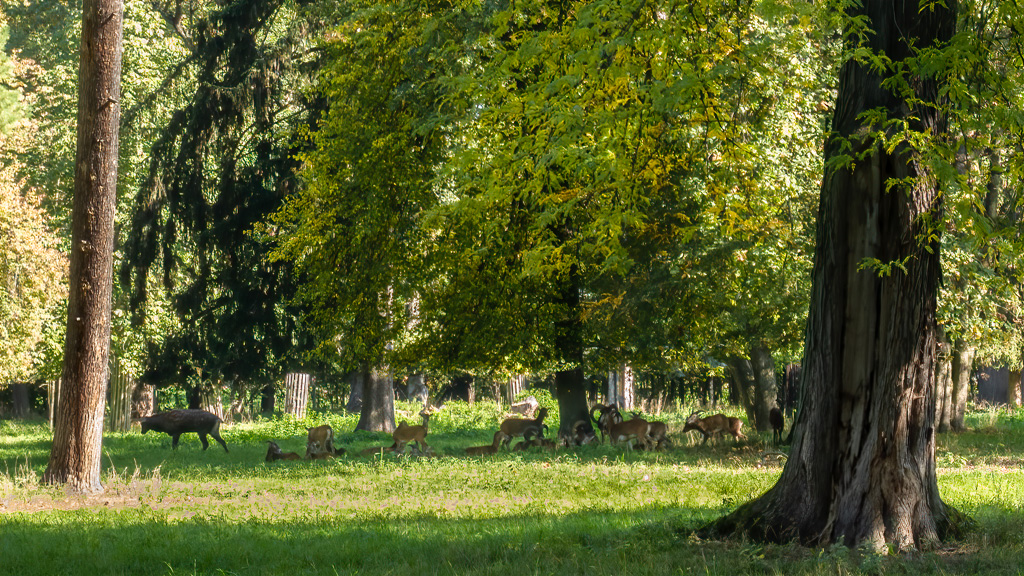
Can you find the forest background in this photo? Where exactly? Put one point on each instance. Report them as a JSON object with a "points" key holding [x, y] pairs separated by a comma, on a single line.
{"points": [[480, 191]]}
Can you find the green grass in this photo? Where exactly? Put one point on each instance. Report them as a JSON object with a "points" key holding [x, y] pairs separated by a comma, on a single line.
{"points": [[595, 511]]}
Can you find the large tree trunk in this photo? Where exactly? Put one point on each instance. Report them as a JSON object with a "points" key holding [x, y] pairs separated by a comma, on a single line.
{"points": [[78, 431], [378, 413], [862, 467]]}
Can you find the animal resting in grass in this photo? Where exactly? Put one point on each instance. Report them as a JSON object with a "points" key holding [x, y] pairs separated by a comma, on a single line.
{"points": [[178, 422], [274, 453]]}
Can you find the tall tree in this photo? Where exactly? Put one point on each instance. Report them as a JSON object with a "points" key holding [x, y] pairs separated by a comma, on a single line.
{"points": [[78, 430], [224, 160], [862, 467]]}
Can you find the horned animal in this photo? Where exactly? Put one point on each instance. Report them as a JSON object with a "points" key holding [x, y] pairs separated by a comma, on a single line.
{"points": [[778, 422], [608, 415], [178, 422], [274, 453], [513, 427], [489, 449], [405, 433], [627, 430], [712, 425], [319, 441]]}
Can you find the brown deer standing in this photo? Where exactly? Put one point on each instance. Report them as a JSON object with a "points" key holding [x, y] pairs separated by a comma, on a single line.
{"points": [[712, 425]]}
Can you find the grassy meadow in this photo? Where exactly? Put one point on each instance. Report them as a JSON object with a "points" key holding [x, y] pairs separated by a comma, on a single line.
{"points": [[596, 510]]}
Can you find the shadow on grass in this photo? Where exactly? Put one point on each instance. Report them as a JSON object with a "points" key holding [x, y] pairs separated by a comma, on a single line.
{"points": [[145, 541]]}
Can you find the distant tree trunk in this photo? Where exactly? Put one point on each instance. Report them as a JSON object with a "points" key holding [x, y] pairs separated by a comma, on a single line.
{"points": [[570, 385], [78, 431], [357, 385], [52, 399], [743, 386], [516, 384], [861, 470], [378, 413], [621, 387], [122, 386], [1013, 388], [143, 401], [268, 399], [766, 391], [19, 399], [416, 389], [754, 384], [943, 388], [296, 385], [963, 361]]}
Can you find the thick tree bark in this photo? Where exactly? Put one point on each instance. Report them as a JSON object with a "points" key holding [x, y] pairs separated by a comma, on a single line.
{"points": [[78, 431], [862, 467], [378, 413]]}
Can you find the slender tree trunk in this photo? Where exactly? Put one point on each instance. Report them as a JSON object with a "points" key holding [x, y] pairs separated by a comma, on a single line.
{"points": [[268, 399], [78, 431], [19, 399], [378, 413], [963, 360], [766, 392], [943, 388], [862, 466]]}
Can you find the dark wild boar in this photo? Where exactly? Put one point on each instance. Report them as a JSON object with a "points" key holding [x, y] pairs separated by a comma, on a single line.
{"points": [[178, 422]]}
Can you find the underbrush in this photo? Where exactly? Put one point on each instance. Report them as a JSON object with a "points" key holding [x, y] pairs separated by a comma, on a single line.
{"points": [[595, 510]]}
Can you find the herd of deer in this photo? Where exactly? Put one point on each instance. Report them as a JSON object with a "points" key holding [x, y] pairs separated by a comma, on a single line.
{"points": [[648, 435]]}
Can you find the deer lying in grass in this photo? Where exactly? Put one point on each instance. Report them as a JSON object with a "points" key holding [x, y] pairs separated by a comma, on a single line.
{"points": [[713, 425], [274, 453], [581, 435], [178, 422], [628, 430], [513, 427], [489, 449], [372, 450], [608, 415], [778, 422], [405, 433]]}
